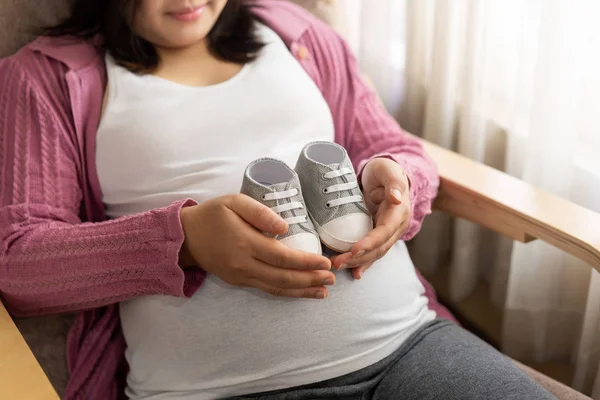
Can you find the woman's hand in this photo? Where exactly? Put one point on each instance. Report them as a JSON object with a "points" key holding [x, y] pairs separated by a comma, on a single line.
{"points": [[222, 237], [386, 192]]}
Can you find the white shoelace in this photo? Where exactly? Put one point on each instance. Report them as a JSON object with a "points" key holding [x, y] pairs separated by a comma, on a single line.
{"points": [[294, 205], [340, 188]]}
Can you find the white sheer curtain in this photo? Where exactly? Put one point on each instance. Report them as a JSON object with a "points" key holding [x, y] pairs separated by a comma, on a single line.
{"points": [[514, 84], [376, 33]]}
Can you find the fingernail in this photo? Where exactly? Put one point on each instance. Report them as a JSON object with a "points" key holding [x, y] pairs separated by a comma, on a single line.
{"points": [[279, 226], [343, 266], [360, 254], [321, 295], [328, 282], [397, 194], [359, 277], [325, 266]]}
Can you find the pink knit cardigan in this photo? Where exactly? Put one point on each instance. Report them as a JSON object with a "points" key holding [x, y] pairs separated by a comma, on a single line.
{"points": [[58, 251]]}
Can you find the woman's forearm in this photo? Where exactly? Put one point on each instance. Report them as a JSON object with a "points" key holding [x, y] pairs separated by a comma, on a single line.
{"points": [[52, 267]]}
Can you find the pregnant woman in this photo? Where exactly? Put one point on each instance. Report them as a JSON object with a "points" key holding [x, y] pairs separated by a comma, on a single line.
{"points": [[124, 135]]}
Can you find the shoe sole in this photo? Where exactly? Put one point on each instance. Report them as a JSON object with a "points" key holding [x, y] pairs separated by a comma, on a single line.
{"points": [[331, 242]]}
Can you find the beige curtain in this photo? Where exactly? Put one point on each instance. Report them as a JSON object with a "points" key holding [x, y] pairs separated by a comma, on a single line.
{"points": [[514, 84]]}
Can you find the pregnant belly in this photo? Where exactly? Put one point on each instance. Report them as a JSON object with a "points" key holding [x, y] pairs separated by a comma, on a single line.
{"points": [[226, 336]]}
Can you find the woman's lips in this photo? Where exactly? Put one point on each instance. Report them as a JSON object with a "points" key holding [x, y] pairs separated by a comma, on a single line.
{"points": [[189, 14]]}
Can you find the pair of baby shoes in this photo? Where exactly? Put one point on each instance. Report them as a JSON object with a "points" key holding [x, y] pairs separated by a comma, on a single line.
{"points": [[320, 199]]}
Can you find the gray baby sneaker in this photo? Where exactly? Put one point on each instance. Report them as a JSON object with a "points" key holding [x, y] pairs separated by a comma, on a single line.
{"points": [[276, 185], [333, 197]]}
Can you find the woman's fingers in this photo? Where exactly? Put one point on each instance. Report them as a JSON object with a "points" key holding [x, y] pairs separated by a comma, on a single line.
{"points": [[307, 293], [279, 270], [389, 220], [284, 279], [377, 254], [347, 260], [277, 254], [256, 214], [394, 195], [376, 196], [358, 272]]}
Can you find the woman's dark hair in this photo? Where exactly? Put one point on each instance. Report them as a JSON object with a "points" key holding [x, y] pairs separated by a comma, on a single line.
{"points": [[233, 37]]}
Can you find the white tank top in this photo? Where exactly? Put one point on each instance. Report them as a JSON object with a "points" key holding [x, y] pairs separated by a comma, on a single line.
{"points": [[160, 141]]}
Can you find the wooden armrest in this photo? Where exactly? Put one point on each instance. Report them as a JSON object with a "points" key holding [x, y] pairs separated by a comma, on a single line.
{"points": [[21, 377], [512, 207]]}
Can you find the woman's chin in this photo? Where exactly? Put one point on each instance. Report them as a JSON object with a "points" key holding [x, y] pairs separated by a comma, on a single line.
{"points": [[183, 42]]}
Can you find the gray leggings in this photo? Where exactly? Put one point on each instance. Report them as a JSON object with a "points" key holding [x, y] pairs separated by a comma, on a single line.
{"points": [[440, 361]]}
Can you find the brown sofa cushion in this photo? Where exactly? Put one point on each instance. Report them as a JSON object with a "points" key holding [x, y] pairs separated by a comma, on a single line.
{"points": [[561, 391], [20, 19]]}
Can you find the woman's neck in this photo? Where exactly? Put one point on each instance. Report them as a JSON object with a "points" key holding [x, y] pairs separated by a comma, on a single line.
{"points": [[194, 66]]}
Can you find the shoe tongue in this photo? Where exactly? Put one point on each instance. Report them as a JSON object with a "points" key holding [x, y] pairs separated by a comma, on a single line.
{"points": [[280, 187], [283, 186]]}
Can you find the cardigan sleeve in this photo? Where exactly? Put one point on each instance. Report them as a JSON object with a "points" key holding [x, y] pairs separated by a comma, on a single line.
{"points": [[362, 124], [50, 261]]}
